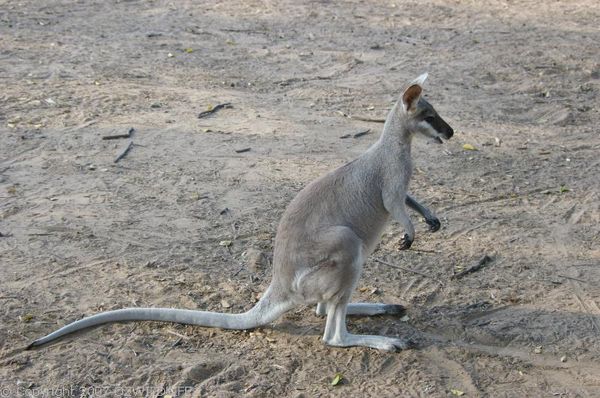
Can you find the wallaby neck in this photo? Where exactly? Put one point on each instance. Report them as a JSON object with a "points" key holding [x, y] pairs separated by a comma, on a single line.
{"points": [[395, 140]]}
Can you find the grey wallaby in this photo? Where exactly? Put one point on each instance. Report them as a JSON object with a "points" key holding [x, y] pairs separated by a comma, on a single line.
{"points": [[325, 236]]}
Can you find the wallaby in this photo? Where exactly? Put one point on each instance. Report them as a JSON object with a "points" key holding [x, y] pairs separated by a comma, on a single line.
{"points": [[325, 236]]}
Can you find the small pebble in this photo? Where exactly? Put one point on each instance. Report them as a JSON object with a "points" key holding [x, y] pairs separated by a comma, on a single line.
{"points": [[225, 304]]}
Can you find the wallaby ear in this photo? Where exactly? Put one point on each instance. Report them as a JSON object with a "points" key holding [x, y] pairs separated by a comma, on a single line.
{"points": [[411, 95], [421, 79]]}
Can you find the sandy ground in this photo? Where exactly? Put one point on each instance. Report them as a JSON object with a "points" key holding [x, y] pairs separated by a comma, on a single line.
{"points": [[518, 80]]}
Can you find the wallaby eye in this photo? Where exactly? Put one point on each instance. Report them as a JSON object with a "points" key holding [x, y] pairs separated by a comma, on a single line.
{"points": [[429, 119]]}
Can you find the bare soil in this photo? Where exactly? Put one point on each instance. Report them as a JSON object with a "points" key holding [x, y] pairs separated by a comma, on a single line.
{"points": [[518, 80]]}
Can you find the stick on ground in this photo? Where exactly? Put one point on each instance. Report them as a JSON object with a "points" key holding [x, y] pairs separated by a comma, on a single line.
{"points": [[361, 133], [456, 234], [485, 260], [117, 136], [366, 119], [125, 151], [356, 135], [214, 109], [380, 261], [362, 118], [506, 196]]}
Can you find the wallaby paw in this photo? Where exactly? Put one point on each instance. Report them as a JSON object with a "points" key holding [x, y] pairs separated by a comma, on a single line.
{"points": [[395, 345], [434, 224], [405, 242]]}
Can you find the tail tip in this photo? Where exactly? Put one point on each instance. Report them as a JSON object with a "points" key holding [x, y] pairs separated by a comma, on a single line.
{"points": [[32, 345]]}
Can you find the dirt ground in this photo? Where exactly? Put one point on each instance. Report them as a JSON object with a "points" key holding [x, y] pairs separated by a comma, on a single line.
{"points": [[518, 80]]}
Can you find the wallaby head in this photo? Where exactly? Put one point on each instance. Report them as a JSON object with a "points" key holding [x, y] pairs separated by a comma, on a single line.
{"points": [[418, 116]]}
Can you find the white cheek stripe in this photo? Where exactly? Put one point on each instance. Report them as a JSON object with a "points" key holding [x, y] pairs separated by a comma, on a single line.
{"points": [[427, 130]]}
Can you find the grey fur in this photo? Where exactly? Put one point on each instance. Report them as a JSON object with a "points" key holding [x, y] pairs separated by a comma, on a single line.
{"points": [[325, 236]]}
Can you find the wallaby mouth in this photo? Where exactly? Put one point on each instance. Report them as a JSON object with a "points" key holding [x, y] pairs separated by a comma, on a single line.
{"points": [[447, 134], [442, 130]]}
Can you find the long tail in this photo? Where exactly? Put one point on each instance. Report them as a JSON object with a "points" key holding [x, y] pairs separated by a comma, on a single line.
{"points": [[265, 311]]}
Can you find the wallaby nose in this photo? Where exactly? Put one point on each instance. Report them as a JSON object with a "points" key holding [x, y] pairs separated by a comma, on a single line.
{"points": [[449, 132]]}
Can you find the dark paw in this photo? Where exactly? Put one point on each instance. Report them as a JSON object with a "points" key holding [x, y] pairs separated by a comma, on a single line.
{"points": [[409, 343], [395, 309], [405, 242], [434, 224], [401, 344]]}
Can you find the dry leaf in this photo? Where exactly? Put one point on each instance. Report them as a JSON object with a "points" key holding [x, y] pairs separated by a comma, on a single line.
{"points": [[337, 379], [458, 393], [225, 243], [469, 147], [27, 318]]}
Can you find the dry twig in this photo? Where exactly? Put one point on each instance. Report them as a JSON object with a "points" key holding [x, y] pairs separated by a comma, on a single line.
{"points": [[214, 109], [407, 270], [485, 260], [125, 151], [117, 136]]}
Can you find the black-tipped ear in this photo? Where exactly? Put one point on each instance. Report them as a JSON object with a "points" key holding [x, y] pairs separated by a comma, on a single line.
{"points": [[411, 96]]}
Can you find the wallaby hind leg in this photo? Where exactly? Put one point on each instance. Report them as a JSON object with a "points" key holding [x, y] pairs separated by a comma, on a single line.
{"points": [[366, 309], [337, 335], [430, 218]]}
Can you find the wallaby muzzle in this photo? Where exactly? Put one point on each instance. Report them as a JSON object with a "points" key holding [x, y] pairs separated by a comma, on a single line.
{"points": [[442, 128]]}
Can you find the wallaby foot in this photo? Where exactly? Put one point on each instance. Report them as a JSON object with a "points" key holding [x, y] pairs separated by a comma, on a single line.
{"points": [[378, 342], [406, 242], [337, 335], [366, 309]]}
